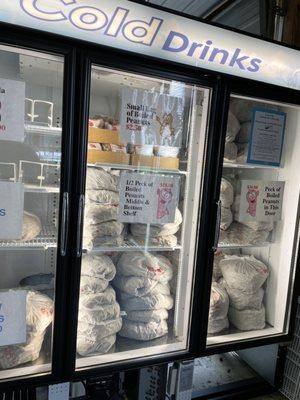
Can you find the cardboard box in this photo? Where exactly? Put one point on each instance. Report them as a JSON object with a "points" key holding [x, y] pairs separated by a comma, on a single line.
{"points": [[107, 157], [155, 162], [97, 135]]}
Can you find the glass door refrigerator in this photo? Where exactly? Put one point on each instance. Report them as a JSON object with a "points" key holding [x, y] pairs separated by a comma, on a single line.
{"points": [[113, 189], [145, 145], [257, 234], [33, 158]]}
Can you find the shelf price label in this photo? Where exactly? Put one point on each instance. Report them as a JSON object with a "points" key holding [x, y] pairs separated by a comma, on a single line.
{"points": [[11, 210], [12, 317], [12, 110], [261, 200], [148, 198]]}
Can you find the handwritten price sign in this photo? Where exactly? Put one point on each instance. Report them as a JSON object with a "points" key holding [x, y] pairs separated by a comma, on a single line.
{"points": [[12, 110], [148, 198]]}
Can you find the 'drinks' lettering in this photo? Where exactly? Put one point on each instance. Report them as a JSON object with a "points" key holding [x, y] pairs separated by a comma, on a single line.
{"points": [[178, 43], [119, 24]]}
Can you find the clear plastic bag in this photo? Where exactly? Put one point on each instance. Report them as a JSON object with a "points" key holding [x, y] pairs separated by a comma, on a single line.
{"points": [[148, 265], [143, 331], [247, 320], [100, 266], [233, 126], [245, 273], [147, 315], [151, 301], [98, 178], [88, 347], [139, 286]]}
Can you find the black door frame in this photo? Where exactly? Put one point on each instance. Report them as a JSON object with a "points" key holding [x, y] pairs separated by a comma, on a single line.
{"points": [[30, 40]]}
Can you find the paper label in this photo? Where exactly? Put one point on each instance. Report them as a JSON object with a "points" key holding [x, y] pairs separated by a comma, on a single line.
{"points": [[12, 317], [261, 200], [151, 118], [11, 210], [12, 110], [148, 198], [266, 140]]}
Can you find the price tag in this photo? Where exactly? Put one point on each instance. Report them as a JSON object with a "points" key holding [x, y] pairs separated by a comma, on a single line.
{"points": [[266, 140], [12, 317], [148, 198], [261, 200], [11, 210], [12, 110]]}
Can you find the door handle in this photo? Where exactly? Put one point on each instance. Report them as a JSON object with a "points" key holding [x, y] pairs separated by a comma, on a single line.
{"points": [[217, 227], [79, 225], [64, 224]]}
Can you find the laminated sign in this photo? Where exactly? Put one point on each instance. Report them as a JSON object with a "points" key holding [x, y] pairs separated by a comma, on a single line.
{"points": [[261, 200], [12, 317], [148, 198], [151, 118], [11, 210], [12, 110], [267, 134]]}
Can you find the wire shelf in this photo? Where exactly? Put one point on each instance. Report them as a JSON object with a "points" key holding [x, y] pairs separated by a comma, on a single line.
{"points": [[130, 246], [47, 238], [139, 168]]}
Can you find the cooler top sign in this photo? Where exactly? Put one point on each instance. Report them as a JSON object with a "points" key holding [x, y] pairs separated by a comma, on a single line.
{"points": [[144, 30]]}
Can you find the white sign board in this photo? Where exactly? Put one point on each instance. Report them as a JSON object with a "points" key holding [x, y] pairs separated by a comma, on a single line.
{"points": [[12, 317], [267, 134], [11, 210], [151, 118], [144, 30], [261, 200], [12, 110], [148, 198]]}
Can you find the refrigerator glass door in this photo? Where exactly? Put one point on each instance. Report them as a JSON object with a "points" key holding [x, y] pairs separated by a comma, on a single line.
{"points": [[146, 149], [254, 264], [30, 153]]}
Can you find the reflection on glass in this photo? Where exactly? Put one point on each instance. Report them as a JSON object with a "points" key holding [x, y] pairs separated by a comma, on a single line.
{"points": [[253, 266], [146, 143], [30, 153]]}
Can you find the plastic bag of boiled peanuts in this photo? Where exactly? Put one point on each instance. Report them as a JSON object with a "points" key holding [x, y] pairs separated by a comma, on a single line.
{"points": [[99, 179], [226, 218], [230, 151], [245, 273], [140, 286], [147, 315], [242, 300], [149, 265], [226, 193], [150, 301], [96, 214], [97, 315], [99, 331], [240, 234], [233, 126], [247, 320], [100, 266], [155, 230], [13, 355], [143, 331], [218, 309], [88, 347]]}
